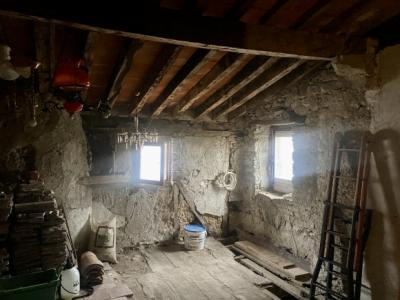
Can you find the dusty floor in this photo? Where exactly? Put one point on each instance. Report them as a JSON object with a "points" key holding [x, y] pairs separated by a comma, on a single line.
{"points": [[170, 272]]}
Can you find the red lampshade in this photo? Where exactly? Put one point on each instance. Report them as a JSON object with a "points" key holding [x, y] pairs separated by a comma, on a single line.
{"points": [[71, 75], [73, 107]]}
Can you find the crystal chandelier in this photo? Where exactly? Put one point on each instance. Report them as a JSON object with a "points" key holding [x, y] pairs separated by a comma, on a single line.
{"points": [[136, 139]]}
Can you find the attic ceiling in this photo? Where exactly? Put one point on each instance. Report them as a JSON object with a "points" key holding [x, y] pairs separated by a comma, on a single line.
{"points": [[172, 70]]}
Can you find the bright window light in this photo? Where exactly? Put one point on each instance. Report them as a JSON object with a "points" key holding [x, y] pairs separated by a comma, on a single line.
{"points": [[150, 163], [283, 168]]}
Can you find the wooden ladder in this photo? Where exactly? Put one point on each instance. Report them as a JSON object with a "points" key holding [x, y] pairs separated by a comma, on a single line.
{"points": [[345, 225]]}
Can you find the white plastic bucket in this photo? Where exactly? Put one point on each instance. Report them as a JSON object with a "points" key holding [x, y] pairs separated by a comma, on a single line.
{"points": [[194, 237]]}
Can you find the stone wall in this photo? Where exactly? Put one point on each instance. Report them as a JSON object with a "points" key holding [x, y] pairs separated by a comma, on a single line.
{"points": [[151, 213], [329, 104]]}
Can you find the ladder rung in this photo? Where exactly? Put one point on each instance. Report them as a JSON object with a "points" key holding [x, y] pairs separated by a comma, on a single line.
{"points": [[335, 263], [329, 291], [341, 205], [344, 220], [339, 274], [346, 177], [339, 247], [341, 234], [348, 150]]}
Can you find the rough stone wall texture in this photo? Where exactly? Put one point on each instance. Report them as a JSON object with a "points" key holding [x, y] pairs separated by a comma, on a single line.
{"points": [[329, 104], [383, 248], [149, 214], [57, 148]]}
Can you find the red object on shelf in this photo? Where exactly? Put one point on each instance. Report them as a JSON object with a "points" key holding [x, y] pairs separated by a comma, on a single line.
{"points": [[71, 76], [73, 107]]}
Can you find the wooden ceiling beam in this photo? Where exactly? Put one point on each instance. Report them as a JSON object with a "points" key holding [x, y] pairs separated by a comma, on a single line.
{"points": [[264, 81], [120, 70], [193, 65], [157, 72], [254, 68], [163, 25], [216, 76], [269, 94]]}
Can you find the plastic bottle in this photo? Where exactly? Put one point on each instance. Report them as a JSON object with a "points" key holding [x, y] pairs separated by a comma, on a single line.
{"points": [[70, 283]]}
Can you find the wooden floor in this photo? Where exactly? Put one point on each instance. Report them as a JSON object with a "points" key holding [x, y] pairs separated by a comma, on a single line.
{"points": [[174, 273]]}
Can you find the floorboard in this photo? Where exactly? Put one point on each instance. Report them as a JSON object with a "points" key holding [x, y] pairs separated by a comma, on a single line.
{"points": [[174, 273]]}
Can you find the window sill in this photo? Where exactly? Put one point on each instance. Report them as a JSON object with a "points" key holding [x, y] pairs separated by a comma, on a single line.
{"points": [[272, 195]]}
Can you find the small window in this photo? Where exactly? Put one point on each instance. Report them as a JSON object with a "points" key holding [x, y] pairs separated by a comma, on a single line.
{"points": [[151, 163], [282, 160]]}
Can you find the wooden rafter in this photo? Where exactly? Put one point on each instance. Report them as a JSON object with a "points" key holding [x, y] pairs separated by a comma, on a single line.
{"points": [[198, 60], [157, 72], [285, 83], [323, 16], [308, 15], [218, 74], [121, 69], [239, 8], [89, 48], [165, 26], [254, 68], [265, 80], [365, 16], [268, 14]]}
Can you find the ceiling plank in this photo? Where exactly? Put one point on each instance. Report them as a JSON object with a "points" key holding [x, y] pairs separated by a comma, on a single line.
{"points": [[121, 69], [217, 75], [268, 94], [199, 59], [161, 66], [254, 68], [264, 81], [239, 8], [364, 17], [319, 19], [172, 27]]}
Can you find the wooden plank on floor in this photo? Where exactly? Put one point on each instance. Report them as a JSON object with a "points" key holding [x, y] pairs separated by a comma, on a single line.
{"points": [[154, 287], [212, 288], [242, 289], [183, 285], [283, 284], [217, 249], [263, 254], [246, 274], [156, 259], [109, 291], [136, 288], [273, 260]]}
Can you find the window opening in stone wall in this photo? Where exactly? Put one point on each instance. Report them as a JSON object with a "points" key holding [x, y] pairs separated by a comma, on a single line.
{"points": [[152, 163], [282, 159]]}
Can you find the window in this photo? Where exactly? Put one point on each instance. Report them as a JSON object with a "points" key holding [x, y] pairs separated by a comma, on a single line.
{"points": [[151, 163], [282, 160]]}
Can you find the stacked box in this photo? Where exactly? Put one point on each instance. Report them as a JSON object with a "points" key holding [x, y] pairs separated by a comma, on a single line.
{"points": [[38, 235], [6, 203]]}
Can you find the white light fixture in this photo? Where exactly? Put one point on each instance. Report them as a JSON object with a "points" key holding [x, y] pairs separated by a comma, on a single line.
{"points": [[136, 139]]}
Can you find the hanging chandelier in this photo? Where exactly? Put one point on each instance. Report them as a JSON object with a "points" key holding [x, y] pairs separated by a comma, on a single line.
{"points": [[136, 139]]}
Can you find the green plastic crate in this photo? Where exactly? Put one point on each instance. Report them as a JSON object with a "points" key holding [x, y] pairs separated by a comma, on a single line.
{"points": [[40, 285]]}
